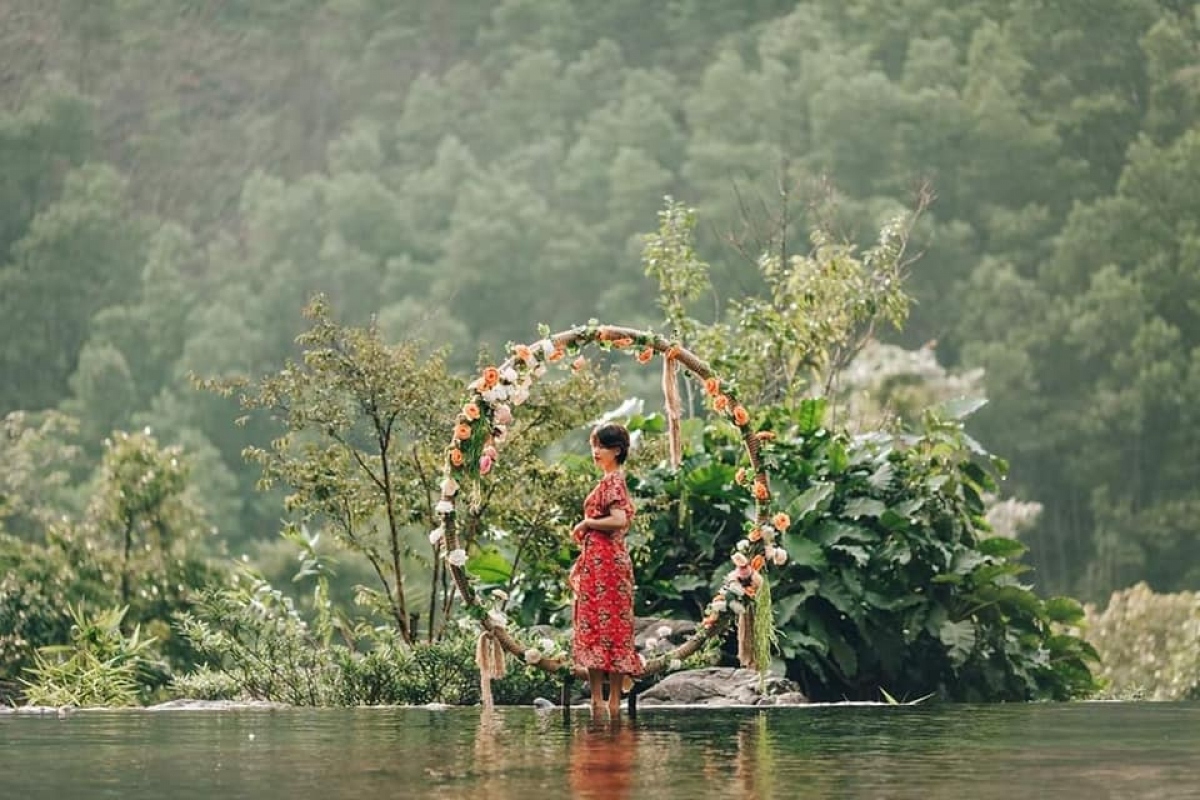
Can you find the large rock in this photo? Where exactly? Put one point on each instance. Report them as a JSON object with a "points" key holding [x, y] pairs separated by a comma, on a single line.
{"points": [[722, 686]]}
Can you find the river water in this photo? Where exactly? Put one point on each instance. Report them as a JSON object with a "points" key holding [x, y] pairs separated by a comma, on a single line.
{"points": [[1076, 750]]}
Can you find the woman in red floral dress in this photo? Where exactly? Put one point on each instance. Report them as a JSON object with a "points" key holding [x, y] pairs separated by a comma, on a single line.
{"points": [[602, 576]]}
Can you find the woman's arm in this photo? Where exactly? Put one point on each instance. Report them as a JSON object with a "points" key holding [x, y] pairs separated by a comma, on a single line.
{"points": [[614, 521]]}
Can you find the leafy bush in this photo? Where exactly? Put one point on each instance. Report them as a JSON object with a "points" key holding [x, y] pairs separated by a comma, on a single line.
{"points": [[893, 583], [254, 644], [100, 667], [1149, 644], [253, 633], [37, 584]]}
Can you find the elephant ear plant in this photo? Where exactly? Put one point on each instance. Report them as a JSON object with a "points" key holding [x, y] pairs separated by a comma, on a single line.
{"points": [[895, 586]]}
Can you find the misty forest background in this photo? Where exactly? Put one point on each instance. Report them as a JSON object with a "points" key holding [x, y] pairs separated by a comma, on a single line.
{"points": [[178, 178]]}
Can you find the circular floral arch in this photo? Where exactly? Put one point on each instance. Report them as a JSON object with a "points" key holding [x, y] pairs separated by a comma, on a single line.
{"points": [[500, 390]]}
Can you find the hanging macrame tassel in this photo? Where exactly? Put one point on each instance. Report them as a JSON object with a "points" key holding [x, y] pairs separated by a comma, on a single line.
{"points": [[670, 389], [489, 657], [745, 638]]}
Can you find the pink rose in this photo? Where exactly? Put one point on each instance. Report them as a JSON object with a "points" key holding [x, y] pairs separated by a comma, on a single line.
{"points": [[485, 465], [503, 415]]}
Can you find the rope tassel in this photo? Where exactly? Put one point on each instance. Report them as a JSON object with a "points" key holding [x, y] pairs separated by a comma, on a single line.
{"points": [[670, 387], [489, 657]]}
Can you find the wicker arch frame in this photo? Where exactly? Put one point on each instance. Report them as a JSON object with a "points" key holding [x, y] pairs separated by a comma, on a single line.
{"points": [[489, 408]]}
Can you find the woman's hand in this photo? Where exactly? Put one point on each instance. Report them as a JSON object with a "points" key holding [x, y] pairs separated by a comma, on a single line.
{"points": [[579, 530]]}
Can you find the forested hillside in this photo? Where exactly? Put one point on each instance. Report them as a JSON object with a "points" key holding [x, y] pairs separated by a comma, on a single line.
{"points": [[178, 177]]}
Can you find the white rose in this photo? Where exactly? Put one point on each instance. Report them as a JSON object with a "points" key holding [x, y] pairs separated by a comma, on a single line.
{"points": [[496, 394], [436, 535], [740, 559], [457, 557], [532, 656], [449, 487], [664, 631], [743, 545], [508, 375], [548, 645], [444, 507], [780, 556]]}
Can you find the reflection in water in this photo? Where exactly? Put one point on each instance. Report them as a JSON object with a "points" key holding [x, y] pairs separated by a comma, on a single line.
{"points": [[1070, 751], [601, 760]]}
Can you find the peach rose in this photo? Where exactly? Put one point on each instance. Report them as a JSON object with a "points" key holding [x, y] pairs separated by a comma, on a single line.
{"points": [[781, 522], [761, 492], [579, 363], [462, 431], [456, 457], [712, 386], [645, 356], [721, 402], [755, 534], [740, 415], [739, 477], [471, 411], [624, 341], [491, 376], [757, 563]]}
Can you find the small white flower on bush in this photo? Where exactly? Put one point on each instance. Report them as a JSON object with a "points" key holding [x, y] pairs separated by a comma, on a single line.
{"points": [[457, 557], [547, 645], [436, 535], [664, 631], [498, 618], [533, 655], [444, 507], [500, 594]]}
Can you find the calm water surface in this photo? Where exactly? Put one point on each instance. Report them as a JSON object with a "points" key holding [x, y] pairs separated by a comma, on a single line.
{"points": [[1082, 750]]}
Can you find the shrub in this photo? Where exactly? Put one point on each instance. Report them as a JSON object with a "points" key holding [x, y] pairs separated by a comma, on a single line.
{"points": [[100, 667], [1149, 644], [893, 583]]}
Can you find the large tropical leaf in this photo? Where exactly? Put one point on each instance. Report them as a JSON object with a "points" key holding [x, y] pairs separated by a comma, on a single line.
{"points": [[959, 638]]}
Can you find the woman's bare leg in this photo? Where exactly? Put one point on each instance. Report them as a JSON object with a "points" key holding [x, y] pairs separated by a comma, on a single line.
{"points": [[596, 682], [615, 680]]}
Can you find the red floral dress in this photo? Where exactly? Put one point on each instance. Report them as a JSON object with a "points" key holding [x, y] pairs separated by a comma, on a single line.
{"points": [[602, 579]]}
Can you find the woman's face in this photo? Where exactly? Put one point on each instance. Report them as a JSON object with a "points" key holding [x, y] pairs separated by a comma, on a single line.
{"points": [[605, 457]]}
